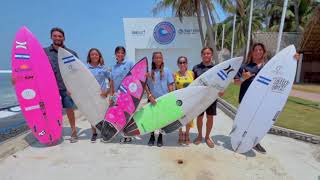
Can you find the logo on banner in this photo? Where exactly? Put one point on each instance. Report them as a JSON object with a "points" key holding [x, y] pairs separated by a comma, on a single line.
{"points": [[138, 32], [188, 31], [164, 32]]}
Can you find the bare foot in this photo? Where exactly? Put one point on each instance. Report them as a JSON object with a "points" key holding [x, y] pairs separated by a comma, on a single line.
{"points": [[209, 142]]}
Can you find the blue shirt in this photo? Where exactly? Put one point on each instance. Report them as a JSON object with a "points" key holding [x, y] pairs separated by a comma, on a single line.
{"points": [[253, 69], [160, 87], [101, 73], [119, 71]]}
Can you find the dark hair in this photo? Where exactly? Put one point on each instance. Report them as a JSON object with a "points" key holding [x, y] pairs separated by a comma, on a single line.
{"points": [[153, 66], [178, 60], [101, 61], [205, 48], [249, 58], [118, 48], [57, 29]]}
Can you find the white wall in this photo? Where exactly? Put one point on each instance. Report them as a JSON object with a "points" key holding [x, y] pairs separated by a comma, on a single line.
{"points": [[140, 41]]}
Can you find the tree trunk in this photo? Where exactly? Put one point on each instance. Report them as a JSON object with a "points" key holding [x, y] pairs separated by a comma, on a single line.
{"points": [[296, 14], [210, 31], [199, 21]]}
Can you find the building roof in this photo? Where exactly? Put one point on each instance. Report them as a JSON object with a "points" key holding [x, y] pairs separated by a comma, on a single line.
{"points": [[310, 40]]}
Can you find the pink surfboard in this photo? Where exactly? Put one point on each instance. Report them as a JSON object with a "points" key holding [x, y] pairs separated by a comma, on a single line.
{"points": [[36, 88], [128, 98]]}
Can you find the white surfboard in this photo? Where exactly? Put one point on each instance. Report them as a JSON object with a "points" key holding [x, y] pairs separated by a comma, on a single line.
{"points": [[84, 88], [217, 79], [264, 100]]}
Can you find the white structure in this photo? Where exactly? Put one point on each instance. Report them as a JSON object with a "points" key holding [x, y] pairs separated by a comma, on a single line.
{"points": [[143, 36]]}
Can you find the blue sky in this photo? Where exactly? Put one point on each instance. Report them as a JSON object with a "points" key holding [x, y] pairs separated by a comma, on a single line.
{"points": [[87, 24]]}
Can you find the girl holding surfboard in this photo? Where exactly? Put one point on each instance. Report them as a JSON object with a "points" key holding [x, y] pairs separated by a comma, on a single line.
{"points": [[182, 79], [118, 73], [95, 64], [160, 82], [257, 58]]}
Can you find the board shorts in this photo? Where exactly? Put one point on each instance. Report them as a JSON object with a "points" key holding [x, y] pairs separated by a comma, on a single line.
{"points": [[211, 110], [66, 100]]}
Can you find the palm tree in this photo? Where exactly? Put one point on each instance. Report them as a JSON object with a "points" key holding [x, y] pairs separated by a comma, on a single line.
{"points": [[241, 8], [181, 8], [298, 13]]}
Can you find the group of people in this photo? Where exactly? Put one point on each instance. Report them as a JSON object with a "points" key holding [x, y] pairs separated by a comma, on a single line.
{"points": [[160, 82]]}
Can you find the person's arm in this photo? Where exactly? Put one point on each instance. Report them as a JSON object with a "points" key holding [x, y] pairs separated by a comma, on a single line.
{"points": [[170, 81], [150, 96], [106, 76], [297, 56], [111, 91], [238, 78]]}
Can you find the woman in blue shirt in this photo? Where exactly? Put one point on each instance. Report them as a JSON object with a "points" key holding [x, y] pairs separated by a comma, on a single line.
{"points": [[118, 72], [160, 82], [101, 73]]}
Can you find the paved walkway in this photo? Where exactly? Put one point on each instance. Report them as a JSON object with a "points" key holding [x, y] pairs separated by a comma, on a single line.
{"points": [[286, 159], [306, 95]]}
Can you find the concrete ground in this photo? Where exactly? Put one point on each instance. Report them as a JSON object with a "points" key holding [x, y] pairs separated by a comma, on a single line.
{"points": [[285, 159]]}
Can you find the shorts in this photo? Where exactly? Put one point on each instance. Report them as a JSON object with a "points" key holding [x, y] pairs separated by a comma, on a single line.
{"points": [[211, 110], [66, 100]]}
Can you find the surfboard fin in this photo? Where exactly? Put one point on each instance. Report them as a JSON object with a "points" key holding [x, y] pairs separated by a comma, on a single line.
{"points": [[108, 132], [171, 127], [99, 125], [233, 129]]}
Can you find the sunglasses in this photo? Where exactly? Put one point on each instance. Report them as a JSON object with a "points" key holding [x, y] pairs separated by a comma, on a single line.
{"points": [[183, 62]]}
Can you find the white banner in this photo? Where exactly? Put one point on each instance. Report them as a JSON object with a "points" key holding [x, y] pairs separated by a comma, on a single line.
{"points": [[168, 35]]}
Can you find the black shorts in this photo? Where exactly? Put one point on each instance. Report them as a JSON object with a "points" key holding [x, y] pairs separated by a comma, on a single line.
{"points": [[211, 110]]}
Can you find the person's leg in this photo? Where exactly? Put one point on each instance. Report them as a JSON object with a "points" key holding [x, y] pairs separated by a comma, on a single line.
{"points": [[199, 126], [94, 131], [69, 105], [72, 121], [187, 138], [94, 134], [180, 140], [160, 141], [209, 126], [211, 111], [152, 139]]}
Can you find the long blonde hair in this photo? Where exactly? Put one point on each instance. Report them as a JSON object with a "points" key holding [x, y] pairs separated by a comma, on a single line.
{"points": [[153, 66]]}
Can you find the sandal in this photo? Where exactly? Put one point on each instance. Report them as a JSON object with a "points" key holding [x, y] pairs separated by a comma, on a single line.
{"points": [[197, 141], [125, 140], [210, 143]]}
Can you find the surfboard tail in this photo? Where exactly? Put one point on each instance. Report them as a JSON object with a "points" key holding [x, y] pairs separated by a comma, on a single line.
{"points": [[108, 131]]}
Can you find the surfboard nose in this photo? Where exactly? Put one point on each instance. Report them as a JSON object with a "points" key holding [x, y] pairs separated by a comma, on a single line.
{"points": [[108, 131]]}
